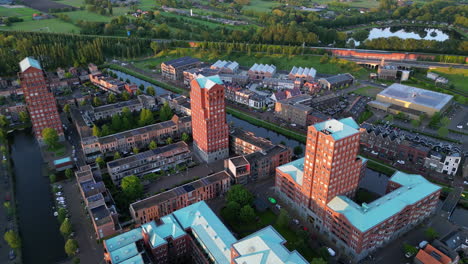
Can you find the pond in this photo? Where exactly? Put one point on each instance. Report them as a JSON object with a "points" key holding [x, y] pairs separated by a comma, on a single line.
{"points": [[409, 33]]}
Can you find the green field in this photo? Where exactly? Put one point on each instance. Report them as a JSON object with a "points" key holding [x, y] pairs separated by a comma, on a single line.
{"points": [[457, 77], [46, 25], [88, 16], [24, 12], [261, 5], [75, 3], [369, 91]]}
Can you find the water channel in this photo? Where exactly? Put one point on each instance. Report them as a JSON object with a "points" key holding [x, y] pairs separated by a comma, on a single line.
{"points": [[41, 240]]}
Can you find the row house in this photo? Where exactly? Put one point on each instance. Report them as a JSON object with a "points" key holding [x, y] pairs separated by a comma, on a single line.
{"points": [[302, 74], [285, 94], [261, 71], [179, 103], [155, 160], [165, 203], [242, 142], [98, 202], [446, 164], [13, 110], [107, 83], [109, 110], [229, 67], [174, 69], [234, 78], [294, 110], [280, 84], [139, 137]]}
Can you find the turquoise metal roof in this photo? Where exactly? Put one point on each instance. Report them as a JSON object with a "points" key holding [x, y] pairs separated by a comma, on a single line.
{"points": [[28, 62], [138, 259], [266, 246], [63, 160], [295, 169], [157, 234], [414, 188], [208, 230], [362, 159], [339, 128], [124, 253], [123, 239], [208, 82]]}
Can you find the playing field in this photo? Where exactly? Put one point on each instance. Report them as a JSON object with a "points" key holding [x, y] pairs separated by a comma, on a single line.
{"points": [[368, 91], [46, 25], [23, 12]]}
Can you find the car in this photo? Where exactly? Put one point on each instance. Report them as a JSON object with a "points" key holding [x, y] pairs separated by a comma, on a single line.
{"points": [[460, 126], [11, 254], [374, 152], [402, 162], [409, 254], [331, 252], [58, 193], [278, 206], [295, 221], [423, 243], [60, 198], [293, 125]]}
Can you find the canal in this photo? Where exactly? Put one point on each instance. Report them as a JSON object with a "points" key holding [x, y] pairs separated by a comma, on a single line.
{"points": [[42, 242]]}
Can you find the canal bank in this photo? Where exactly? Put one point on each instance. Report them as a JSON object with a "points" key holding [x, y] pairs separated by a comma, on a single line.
{"points": [[42, 242]]}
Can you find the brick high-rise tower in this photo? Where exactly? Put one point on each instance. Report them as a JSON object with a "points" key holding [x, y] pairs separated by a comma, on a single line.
{"points": [[331, 164], [39, 99], [209, 128]]}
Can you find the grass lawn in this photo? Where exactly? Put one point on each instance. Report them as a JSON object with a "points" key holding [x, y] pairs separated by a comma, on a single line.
{"points": [[75, 3], [369, 91], [46, 25], [261, 5], [457, 77], [88, 16], [24, 12], [147, 4]]}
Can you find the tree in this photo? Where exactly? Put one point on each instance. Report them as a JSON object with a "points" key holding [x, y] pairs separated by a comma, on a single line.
{"points": [[239, 194], [443, 131], [96, 101], [135, 150], [100, 162], [166, 112], [111, 98], [185, 137], [116, 123], [231, 212], [410, 249], [247, 214], [415, 123], [50, 137], [142, 87], [70, 247], [105, 130], [431, 233], [297, 150], [62, 215], [68, 173], [24, 117], [146, 117], [389, 118], [324, 58], [125, 96], [96, 131], [52, 178], [13, 239], [318, 261], [4, 121], [445, 121], [150, 90], [132, 187], [169, 141], [117, 155], [283, 218], [66, 228], [152, 145], [66, 108]]}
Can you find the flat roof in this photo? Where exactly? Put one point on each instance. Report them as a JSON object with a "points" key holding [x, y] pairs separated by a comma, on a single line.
{"points": [[208, 230], [250, 137], [123, 253], [338, 128], [295, 169], [62, 160], [414, 188], [239, 161], [181, 61], [264, 247], [415, 95], [138, 259], [209, 82]]}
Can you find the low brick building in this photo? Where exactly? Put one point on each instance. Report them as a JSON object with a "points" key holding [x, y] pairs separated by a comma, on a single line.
{"points": [[174, 69], [294, 110], [155, 160], [107, 83], [261, 71], [336, 81], [165, 203], [243, 142]]}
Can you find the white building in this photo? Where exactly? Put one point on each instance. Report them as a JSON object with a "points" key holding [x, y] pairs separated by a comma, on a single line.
{"points": [[451, 164]]}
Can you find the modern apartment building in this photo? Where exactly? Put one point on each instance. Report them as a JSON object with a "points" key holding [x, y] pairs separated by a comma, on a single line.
{"points": [[98, 202], [409, 199], [194, 234], [174, 69], [109, 110], [294, 110], [167, 202], [243, 142], [40, 100], [139, 137], [107, 83], [209, 127], [155, 160]]}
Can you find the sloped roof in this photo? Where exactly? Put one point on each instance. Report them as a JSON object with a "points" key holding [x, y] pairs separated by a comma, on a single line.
{"points": [[265, 247], [295, 169], [263, 68], [209, 82], [339, 128], [311, 72], [157, 234], [28, 62]]}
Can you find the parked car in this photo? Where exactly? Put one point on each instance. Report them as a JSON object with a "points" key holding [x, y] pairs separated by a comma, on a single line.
{"points": [[58, 193], [402, 162], [331, 252], [11, 254], [278, 206], [423, 243], [60, 198]]}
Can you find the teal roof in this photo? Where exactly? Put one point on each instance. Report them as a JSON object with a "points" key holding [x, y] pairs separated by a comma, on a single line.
{"points": [[295, 169], [208, 82], [266, 246], [28, 62], [138, 259], [60, 161], [124, 239], [123, 253], [364, 160], [157, 234], [414, 188], [339, 128], [208, 230]]}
